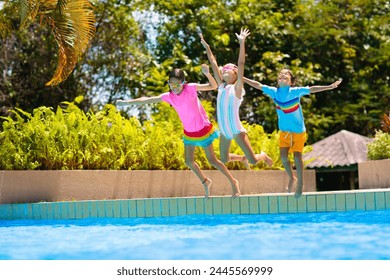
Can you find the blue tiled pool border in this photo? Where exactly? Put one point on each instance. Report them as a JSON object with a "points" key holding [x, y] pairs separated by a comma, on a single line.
{"points": [[362, 200]]}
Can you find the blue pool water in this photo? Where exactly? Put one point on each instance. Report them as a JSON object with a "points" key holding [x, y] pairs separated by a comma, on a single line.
{"points": [[316, 236]]}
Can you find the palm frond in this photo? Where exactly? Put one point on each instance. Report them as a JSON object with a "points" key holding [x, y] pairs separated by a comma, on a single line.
{"points": [[71, 21], [28, 11], [6, 26], [73, 26], [5, 29]]}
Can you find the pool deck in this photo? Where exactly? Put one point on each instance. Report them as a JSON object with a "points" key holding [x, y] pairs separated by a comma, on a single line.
{"points": [[310, 202]]}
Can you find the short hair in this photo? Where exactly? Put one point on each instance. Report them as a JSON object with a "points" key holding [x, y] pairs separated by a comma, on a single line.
{"points": [[293, 78], [177, 74]]}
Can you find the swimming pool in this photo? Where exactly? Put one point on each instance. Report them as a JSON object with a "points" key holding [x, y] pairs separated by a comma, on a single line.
{"points": [[353, 235]]}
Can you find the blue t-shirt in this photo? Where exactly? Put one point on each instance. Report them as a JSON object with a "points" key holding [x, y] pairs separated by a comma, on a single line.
{"points": [[288, 106]]}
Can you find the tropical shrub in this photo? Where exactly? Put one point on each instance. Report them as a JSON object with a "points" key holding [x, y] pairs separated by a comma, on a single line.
{"points": [[68, 138], [379, 148]]}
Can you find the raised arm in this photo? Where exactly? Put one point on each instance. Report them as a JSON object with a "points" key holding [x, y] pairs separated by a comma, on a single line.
{"points": [[314, 89], [139, 101], [212, 60], [253, 83], [241, 62], [212, 84]]}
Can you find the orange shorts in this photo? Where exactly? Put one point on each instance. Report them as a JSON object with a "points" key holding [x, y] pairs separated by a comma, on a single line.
{"points": [[292, 140]]}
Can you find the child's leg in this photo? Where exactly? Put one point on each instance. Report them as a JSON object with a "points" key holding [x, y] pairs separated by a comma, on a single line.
{"points": [[242, 140], [299, 167], [299, 143], [224, 148], [209, 150], [190, 162], [287, 166]]}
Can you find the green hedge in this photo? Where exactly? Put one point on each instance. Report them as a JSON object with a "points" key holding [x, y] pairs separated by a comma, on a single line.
{"points": [[68, 138]]}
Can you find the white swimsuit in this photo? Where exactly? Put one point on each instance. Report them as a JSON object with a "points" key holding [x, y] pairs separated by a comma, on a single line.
{"points": [[228, 106]]}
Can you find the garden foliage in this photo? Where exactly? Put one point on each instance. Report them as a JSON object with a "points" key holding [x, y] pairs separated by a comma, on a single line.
{"points": [[68, 138], [379, 148]]}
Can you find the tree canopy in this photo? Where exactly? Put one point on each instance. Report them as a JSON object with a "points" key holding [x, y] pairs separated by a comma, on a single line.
{"points": [[138, 42]]}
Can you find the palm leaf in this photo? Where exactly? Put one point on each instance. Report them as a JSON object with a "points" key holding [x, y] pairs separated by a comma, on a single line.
{"points": [[71, 21], [73, 26], [4, 29], [6, 26], [28, 11]]}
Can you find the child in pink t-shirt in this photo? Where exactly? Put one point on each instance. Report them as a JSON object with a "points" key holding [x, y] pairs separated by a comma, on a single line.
{"points": [[198, 131]]}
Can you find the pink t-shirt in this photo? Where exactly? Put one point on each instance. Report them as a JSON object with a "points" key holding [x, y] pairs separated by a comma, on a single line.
{"points": [[188, 107]]}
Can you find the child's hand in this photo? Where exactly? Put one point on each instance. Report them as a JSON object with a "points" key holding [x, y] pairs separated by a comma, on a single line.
{"points": [[336, 84], [121, 102], [244, 33], [205, 69]]}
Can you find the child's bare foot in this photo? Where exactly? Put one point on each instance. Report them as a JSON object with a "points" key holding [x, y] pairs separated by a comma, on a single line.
{"points": [[267, 159], [298, 192], [291, 184], [236, 188], [207, 185], [246, 163]]}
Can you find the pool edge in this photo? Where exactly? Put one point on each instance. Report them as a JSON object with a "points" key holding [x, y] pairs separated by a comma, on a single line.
{"points": [[272, 203]]}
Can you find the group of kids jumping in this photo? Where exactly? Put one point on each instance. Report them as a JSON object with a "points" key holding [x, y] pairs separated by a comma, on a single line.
{"points": [[199, 131]]}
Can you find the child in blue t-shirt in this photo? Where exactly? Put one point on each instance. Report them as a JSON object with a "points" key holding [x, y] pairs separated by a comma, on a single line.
{"points": [[290, 121]]}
